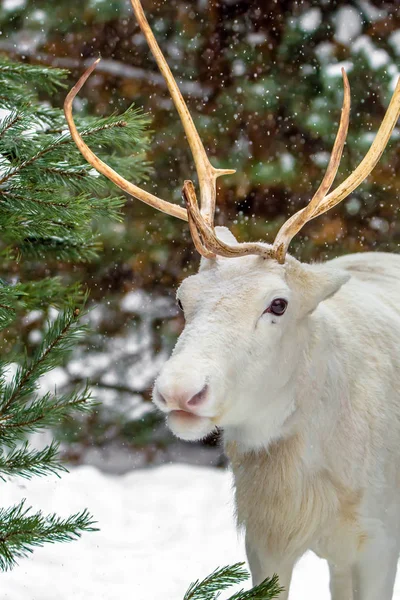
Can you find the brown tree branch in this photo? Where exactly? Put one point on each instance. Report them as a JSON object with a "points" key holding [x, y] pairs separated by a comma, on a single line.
{"points": [[106, 66]]}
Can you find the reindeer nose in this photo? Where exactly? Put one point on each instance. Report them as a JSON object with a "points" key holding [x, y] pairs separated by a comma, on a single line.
{"points": [[181, 400], [198, 398]]}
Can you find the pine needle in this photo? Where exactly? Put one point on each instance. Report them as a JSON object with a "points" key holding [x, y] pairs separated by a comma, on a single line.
{"points": [[223, 578]]}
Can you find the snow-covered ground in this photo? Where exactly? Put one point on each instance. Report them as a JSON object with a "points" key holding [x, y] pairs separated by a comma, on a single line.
{"points": [[161, 529]]}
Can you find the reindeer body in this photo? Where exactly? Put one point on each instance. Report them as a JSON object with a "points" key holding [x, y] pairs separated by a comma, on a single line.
{"points": [[330, 480], [309, 406]]}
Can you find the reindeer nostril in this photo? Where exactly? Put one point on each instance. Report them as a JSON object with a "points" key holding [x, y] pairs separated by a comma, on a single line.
{"points": [[199, 397]]}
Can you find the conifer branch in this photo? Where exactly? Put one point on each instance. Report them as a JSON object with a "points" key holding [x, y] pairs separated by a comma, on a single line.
{"points": [[21, 531], [42, 412], [60, 141], [267, 590], [218, 580], [55, 145], [26, 462], [60, 337], [223, 578], [12, 197], [20, 73], [9, 123]]}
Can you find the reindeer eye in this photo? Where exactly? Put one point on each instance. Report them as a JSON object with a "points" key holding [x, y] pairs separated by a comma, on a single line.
{"points": [[180, 305], [277, 306]]}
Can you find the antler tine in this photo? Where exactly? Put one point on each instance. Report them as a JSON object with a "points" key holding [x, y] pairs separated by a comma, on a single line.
{"points": [[299, 219], [102, 167], [370, 160], [207, 174]]}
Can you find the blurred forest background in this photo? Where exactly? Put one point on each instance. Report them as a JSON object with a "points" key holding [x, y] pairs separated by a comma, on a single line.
{"points": [[262, 81]]}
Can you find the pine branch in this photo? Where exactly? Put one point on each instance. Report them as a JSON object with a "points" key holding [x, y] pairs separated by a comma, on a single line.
{"points": [[58, 341], [20, 73], [26, 462], [33, 295], [67, 250], [41, 413], [13, 196], [219, 580], [267, 590], [7, 309], [9, 122], [222, 579], [50, 147], [21, 531], [105, 126]]}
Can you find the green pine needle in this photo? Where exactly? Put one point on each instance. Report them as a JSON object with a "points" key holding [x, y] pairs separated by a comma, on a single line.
{"points": [[220, 579], [267, 590], [21, 531], [20, 74], [59, 340], [27, 462], [223, 578]]}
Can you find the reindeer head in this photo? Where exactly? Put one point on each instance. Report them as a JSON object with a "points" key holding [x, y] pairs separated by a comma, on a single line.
{"points": [[244, 331], [245, 317]]}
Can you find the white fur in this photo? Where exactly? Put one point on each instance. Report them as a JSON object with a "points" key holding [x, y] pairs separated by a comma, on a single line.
{"points": [[309, 403]]}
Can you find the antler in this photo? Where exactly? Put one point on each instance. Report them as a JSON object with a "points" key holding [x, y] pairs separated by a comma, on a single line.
{"points": [[201, 221]]}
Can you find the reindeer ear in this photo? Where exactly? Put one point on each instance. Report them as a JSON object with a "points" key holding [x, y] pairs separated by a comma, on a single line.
{"points": [[316, 283], [223, 234]]}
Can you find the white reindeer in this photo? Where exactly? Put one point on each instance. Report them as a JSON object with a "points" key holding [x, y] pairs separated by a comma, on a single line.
{"points": [[299, 365]]}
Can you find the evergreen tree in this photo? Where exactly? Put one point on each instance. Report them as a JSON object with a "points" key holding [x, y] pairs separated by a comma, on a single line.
{"points": [[49, 203], [222, 579]]}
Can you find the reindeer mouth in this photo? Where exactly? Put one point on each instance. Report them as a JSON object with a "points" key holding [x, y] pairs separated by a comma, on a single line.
{"points": [[184, 414], [189, 426]]}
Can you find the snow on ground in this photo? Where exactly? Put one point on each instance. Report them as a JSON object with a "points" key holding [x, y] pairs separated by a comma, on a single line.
{"points": [[161, 529]]}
